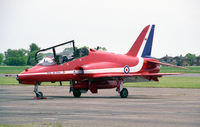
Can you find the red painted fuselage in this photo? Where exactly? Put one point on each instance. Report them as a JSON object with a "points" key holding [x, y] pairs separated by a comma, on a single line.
{"points": [[96, 63], [89, 69]]}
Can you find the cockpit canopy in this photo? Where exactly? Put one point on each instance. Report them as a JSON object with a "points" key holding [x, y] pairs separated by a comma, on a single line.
{"points": [[47, 61], [60, 54]]}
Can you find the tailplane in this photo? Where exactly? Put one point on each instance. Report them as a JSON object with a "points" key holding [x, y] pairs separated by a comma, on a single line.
{"points": [[143, 44]]}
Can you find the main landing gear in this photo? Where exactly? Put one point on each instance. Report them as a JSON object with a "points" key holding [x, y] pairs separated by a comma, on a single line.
{"points": [[39, 95], [76, 92], [122, 91], [82, 87]]}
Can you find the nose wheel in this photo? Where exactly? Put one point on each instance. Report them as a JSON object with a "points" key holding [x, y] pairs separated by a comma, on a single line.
{"points": [[39, 95]]}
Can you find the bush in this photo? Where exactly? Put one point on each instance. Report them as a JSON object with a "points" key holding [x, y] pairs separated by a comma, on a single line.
{"points": [[1, 58], [16, 61]]}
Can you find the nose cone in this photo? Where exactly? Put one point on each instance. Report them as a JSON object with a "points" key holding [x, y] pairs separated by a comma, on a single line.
{"points": [[17, 78], [27, 77], [22, 76]]}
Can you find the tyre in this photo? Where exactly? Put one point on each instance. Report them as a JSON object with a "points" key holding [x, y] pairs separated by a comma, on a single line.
{"points": [[124, 93], [39, 95], [76, 93]]}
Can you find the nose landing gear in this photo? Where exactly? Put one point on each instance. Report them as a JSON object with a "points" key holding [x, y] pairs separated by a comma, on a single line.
{"points": [[39, 95]]}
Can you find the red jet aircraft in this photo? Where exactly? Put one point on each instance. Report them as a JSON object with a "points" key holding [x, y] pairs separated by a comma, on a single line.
{"points": [[89, 69]]}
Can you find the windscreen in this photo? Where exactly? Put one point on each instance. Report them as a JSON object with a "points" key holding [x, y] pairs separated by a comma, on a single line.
{"points": [[43, 54], [64, 53], [47, 61], [60, 53]]}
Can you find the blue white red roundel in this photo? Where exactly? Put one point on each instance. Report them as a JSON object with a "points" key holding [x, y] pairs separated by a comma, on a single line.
{"points": [[126, 69]]}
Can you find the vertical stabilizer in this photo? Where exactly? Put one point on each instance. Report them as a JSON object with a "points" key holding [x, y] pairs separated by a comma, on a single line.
{"points": [[143, 44], [147, 49]]}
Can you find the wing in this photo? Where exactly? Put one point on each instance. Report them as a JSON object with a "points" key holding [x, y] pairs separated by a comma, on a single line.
{"points": [[136, 77], [132, 75], [107, 73]]}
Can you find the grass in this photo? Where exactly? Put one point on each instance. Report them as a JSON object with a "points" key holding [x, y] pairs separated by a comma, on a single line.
{"points": [[191, 69], [169, 82], [13, 81], [12, 69], [165, 82], [8, 81]]}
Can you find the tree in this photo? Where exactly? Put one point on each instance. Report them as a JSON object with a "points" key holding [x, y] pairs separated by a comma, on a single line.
{"points": [[1, 58], [101, 48], [84, 47], [16, 57], [190, 57], [33, 48]]}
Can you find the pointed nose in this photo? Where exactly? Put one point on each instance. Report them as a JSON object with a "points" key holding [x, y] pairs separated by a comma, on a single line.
{"points": [[22, 78], [18, 78]]}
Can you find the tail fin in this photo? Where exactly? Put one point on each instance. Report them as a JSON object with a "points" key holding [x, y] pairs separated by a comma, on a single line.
{"points": [[143, 45]]}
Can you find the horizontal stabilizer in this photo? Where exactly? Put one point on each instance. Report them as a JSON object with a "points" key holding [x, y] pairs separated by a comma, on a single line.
{"points": [[166, 64]]}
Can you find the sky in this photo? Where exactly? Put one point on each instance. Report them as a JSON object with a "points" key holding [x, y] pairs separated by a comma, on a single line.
{"points": [[114, 24]]}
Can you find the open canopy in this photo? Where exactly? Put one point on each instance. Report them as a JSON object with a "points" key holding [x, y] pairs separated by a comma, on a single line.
{"points": [[60, 54]]}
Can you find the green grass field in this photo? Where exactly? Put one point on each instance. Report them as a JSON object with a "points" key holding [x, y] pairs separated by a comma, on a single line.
{"points": [[170, 82], [165, 82], [191, 69], [12, 69], [13, 81]]}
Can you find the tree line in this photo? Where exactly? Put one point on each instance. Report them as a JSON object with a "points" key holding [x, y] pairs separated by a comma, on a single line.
{"points": [[188, 60], [22, 57]]}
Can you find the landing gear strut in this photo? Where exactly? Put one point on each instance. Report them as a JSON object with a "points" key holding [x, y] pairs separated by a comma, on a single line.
{"points": [[39, 95], [122, 91], [76, 92]]}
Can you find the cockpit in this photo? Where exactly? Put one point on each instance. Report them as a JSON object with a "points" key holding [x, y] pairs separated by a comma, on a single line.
{"points": [[47, 61], [60, 54]]}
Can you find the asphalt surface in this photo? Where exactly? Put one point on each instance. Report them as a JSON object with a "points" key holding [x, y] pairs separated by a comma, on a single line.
{"points": [[145, 107]]}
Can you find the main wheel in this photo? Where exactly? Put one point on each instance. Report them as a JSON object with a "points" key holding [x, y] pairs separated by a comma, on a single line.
{"points": [[124, 93], [39, 95], [76, 93]]}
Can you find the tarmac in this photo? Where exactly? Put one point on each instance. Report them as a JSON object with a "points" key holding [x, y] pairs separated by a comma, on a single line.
{"points": [[152, 107]]}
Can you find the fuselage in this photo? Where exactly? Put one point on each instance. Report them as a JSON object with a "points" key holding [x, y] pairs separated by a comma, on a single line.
{"points": [[89, 69], [96, 62]]}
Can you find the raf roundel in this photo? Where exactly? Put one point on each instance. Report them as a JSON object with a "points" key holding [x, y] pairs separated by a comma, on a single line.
{"points": [[126, 69]]}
